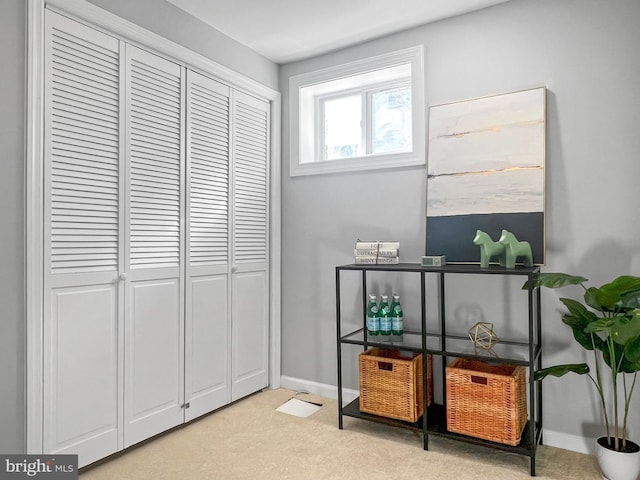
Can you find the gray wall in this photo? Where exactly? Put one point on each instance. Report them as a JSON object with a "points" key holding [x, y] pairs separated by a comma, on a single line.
{"points": [[12, 199], [156, 15], [585, 53]]}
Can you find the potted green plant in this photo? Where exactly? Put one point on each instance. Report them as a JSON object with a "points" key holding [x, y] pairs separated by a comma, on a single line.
{"points": [[607, 323]]}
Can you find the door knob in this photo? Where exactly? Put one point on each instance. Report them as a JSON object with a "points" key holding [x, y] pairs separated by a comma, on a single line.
{"points": [[122, 276]]}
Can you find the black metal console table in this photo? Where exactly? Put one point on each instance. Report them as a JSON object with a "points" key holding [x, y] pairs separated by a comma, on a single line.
{"points": [[525, 352]]}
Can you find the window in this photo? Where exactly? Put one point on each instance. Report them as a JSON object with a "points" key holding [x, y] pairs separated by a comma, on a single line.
{"points": [[371, 120], [359, 116]]}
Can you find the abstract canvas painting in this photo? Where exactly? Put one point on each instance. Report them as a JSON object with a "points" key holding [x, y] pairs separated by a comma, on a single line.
{"points": [[486, 171]]}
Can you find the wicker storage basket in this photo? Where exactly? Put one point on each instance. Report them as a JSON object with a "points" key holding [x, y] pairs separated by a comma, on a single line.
{"points": [[391, 384], [486, 401]]}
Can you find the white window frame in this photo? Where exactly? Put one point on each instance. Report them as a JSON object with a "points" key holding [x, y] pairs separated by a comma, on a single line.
{"points": [[309, 161]]}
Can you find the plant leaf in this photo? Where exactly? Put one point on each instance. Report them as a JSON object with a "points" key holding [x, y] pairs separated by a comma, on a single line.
{"points": [[625, 328], [631, 300], [578, 318], [554, 280], [628, 366], [623, 284], [577, 309], [560, 370], [580, 336], [591, 299], [632, 347], [599, 325], [610, 295]]}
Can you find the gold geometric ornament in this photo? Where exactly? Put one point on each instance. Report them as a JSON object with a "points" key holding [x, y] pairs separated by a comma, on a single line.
{"points": [[483, 336]]}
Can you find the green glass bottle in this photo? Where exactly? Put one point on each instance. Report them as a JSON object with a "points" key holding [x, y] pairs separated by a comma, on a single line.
{"points": [[373, 320], [385, 317], [394, 302], [397, 318]]}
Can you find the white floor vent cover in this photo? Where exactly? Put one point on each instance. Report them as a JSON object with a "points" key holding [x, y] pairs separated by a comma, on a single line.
{"points": [[299, 408]]}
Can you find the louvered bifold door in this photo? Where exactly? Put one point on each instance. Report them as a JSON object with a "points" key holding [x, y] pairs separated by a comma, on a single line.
{"points": [[81, 350], [250, 245], [207, 379], [154, 334]]}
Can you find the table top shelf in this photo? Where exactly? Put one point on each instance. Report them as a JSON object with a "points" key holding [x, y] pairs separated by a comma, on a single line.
{"points": [[449, 268]]}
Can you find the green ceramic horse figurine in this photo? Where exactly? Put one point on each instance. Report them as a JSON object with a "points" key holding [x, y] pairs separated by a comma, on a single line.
{"points": [[513, 248], [488, 249]]}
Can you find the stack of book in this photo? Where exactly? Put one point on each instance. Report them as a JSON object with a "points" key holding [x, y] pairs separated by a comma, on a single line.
{"points": [[372, 253]]}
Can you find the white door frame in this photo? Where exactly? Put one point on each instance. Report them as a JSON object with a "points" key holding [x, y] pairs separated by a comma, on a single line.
{"points": [[34, 184]]}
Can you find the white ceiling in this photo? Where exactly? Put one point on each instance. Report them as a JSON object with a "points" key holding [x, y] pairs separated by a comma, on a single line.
{"points": [[290, 30]]}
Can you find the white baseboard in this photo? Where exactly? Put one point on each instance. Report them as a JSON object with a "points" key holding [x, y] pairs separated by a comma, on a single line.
{"points": [[567, 441], [550, 437]]}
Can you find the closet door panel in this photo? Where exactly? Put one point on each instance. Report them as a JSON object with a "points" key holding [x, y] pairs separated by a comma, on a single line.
{"points": [[154, 151], [154, 377], [154, 337], [250, 181], [250, 285], [250, 333], [82, 412], [207, 308], [207, 354], [82, 251]]}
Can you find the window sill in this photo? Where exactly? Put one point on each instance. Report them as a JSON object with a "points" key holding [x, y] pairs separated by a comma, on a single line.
{"points": [[372, 162]]}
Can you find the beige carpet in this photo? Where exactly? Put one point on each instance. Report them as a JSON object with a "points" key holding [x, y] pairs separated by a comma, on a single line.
{"points": [[251, 440]]}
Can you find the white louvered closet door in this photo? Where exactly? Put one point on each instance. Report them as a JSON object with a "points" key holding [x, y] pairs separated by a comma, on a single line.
{"points": [[154, 317], [82, 375], [250, 245], [156, 243], [207, 382]]}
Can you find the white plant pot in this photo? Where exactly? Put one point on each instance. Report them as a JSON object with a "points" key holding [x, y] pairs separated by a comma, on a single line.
{"points": [[618, 465]]}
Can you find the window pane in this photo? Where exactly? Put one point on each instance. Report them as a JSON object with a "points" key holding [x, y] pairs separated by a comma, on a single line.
{"points": [[342, 127], [391, 120]]}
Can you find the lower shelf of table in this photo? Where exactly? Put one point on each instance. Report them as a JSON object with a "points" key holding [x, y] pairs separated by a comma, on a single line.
{"points": [[436, 425]]}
